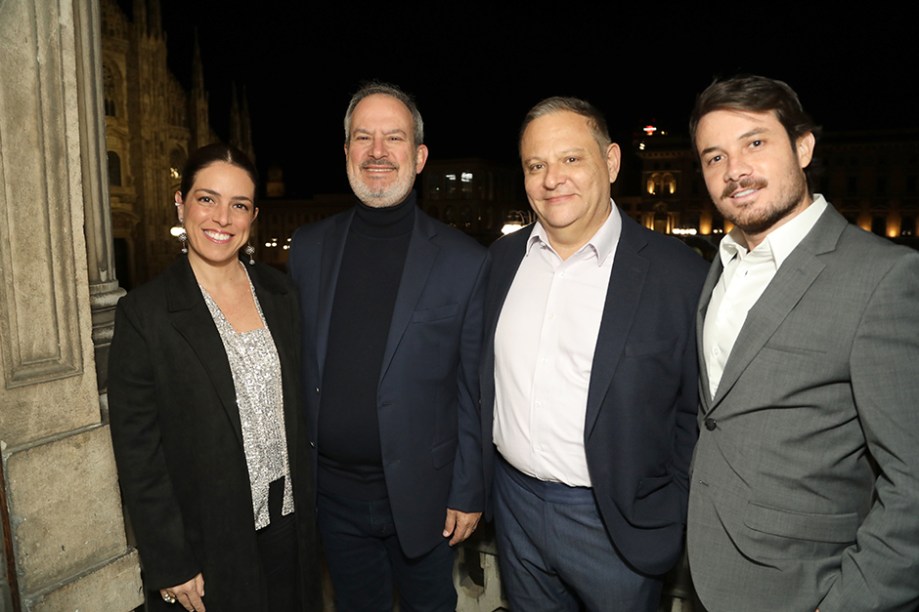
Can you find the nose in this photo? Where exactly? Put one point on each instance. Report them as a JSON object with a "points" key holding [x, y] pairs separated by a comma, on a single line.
{"points": [[736, 169], [222, 214], [378, 148], [555, 175]]}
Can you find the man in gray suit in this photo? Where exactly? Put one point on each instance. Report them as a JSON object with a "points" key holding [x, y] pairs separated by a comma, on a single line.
{"points": [[805, 482]]}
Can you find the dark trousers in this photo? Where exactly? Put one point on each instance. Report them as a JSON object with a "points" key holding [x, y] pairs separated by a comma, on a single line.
{"points": [[364, 559], [555, 554], [277, 551]]}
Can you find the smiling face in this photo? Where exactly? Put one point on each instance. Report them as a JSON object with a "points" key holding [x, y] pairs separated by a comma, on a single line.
{"points": [[380, 155], [217, 212], [567, 178], [753, 174]]}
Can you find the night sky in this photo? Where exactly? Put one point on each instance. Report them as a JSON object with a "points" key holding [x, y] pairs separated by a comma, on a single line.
{"points": [[475, 71]]}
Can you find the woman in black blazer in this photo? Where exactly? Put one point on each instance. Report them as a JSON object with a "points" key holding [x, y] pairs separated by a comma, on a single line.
{"points": [[205, 413]]}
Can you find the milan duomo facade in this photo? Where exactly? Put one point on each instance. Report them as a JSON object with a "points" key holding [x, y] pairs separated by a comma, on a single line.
{"points": [[152, 124], [93, 133]]}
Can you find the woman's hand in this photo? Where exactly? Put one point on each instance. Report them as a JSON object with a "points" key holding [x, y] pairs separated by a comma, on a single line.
{"points": [[188, 594]]}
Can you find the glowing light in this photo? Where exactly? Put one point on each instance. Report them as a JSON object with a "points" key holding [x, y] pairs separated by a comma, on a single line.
{"points": [[516, 219]]}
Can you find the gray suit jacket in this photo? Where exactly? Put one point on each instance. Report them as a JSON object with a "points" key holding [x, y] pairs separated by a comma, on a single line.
{"points": [[805, 482]]}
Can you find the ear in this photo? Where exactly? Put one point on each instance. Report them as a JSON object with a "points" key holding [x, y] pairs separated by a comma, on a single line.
{"points": [[421, 157], [346, 152], [180, 207], [254, 215], [613, 158], [805, 149]]}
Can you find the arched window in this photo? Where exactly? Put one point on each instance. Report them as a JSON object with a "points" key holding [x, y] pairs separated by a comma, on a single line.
{"points": [[661, 183], [114, 169]]}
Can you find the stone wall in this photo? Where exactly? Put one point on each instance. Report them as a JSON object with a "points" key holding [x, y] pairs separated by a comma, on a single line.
{"points": [[60, 509]]}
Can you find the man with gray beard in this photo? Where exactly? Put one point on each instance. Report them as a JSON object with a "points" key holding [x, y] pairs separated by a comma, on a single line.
{"points": [[391, 306]]}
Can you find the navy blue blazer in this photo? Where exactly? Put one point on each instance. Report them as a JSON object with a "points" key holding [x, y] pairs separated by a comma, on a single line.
{"points": [[428, 389], [642, 402]]}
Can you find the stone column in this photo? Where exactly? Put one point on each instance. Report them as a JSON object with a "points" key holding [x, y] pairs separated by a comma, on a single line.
{"points": [[104, 291], [60, 509]]}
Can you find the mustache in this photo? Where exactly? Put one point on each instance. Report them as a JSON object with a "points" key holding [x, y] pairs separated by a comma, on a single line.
{"points": [[744, 183], [377, 163]]}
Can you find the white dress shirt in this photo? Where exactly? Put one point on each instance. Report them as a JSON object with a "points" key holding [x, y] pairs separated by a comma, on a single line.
{"points": [[745, 276], [544, 350]]}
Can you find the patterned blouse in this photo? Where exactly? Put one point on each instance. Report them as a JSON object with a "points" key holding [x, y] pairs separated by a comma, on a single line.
{"points": [[256, 373]]}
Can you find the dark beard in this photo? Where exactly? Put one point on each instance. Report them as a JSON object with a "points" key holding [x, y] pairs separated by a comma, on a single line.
{"points": [[762, 224]]}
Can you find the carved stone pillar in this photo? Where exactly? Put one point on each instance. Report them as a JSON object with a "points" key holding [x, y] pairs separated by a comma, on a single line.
{"points": [[60, 510], [104, 291]]}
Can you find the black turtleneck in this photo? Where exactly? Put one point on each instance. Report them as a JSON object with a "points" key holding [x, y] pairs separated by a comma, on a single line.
{"points": [[350, 462]]}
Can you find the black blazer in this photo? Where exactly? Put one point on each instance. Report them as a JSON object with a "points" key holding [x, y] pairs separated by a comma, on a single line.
{"points": [[428, 389], [640, 426], [178, 440]]}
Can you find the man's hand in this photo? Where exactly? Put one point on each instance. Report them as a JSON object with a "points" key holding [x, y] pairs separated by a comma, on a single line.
{"points": [[460, 525], [188, 595]]}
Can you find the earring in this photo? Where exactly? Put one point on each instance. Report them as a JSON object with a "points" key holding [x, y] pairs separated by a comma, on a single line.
{"points": [[183, 240], [250, 251]]}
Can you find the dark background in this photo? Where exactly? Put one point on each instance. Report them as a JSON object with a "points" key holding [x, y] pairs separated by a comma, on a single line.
{"points": [[475, 70]]}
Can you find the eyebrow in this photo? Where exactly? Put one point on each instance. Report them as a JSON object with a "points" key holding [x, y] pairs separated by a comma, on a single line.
{"points": [[745, 135], [217, 193], [385, 132], [564, 153]]}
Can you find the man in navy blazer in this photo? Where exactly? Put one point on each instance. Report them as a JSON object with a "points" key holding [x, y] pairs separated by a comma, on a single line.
{"points": [[589, 381], [392, 321]]}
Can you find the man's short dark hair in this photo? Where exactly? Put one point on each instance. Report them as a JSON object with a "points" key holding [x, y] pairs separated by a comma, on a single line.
{"points": [[755, 94], [595, 118]]}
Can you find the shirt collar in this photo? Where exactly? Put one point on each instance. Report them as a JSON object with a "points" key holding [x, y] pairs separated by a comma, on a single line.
{"points": [[601, 244], [780, 242]]}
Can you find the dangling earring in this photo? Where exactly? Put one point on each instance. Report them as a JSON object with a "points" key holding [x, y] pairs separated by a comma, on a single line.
{"points": [[179, 230], [250, 251]]}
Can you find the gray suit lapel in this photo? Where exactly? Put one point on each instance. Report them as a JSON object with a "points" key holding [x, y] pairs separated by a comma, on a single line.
{"points": [[788, 286]]}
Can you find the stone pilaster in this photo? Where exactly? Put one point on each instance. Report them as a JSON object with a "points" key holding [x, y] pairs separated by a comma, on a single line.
{"points": [[63, 532]]}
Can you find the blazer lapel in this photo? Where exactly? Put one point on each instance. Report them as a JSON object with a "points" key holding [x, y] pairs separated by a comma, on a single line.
{"points": [[419, 260], [790, 283], [331, 252], [714, 274], [625, 284], [193, 321], [277, 316]]}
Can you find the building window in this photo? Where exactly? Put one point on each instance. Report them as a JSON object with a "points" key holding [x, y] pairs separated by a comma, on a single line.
{"points": [[451, 185], [661, 183], [114, 169], [879, 225], [109, 91]]}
